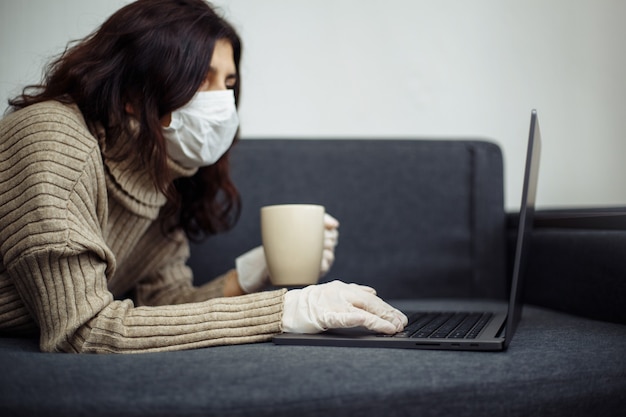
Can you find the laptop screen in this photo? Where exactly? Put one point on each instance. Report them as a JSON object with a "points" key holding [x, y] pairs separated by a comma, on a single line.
{"points": [[526, 217]]}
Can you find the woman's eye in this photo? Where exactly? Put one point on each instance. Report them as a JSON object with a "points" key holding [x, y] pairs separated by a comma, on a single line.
{"points": [[231, 82]]}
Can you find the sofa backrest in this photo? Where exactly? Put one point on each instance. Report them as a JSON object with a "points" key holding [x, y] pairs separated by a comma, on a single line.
{"points": [[419, 218]]}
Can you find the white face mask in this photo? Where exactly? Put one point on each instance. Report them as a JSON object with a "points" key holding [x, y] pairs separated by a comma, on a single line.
{"points": [[202, 130]]}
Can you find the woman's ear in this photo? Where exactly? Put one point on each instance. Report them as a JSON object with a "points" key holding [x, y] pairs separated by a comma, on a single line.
{"points": [[166, 120]]}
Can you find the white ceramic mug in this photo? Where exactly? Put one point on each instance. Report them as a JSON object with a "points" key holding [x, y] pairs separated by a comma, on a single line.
{"points": [[293, 239]]}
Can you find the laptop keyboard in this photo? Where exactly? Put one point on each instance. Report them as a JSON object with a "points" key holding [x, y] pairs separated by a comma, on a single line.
{"points": [[445, 325]]}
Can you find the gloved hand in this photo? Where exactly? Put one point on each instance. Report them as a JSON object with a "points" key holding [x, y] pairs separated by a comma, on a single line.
{"points": [[331, 238], [252, 270], [339, 305]]}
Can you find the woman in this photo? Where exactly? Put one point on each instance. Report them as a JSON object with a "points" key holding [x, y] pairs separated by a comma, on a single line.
{"points": [[110, 165]]}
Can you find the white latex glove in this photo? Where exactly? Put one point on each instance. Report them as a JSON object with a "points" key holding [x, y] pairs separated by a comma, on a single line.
{"points": [[331, 238], [252, 270], [336, 304]]}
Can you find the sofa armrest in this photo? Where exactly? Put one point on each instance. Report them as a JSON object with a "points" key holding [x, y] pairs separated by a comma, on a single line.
{"points": [[576, 261]]}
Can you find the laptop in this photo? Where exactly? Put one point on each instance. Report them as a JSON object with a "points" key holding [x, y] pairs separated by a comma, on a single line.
{"points": [[467, 329]]}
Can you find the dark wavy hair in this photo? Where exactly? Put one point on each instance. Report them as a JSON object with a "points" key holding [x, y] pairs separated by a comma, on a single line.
{"points": [[152, 55]]}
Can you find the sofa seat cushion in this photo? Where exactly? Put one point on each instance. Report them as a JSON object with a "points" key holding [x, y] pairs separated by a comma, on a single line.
{"points": [[557, 364]]}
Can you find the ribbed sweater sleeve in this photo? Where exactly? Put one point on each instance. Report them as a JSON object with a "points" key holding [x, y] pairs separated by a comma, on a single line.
{"points": [[52, 241]]}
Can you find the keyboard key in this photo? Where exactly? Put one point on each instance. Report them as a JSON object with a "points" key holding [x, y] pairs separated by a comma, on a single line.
{"points": [[450, 325], [465, 326], [484, 319]]}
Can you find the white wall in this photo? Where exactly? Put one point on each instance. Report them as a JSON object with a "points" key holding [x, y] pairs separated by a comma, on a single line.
{"points": [[408, 68]]}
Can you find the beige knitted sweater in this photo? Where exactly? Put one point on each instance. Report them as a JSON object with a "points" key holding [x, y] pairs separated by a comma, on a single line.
{"points": [[78, 230]]}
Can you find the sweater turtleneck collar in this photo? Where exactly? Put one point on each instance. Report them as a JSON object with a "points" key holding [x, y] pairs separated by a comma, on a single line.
{"points": [[133, 186]]}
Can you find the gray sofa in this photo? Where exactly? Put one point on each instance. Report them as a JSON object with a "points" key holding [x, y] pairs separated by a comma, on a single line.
{"points": [[421, 221]]}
